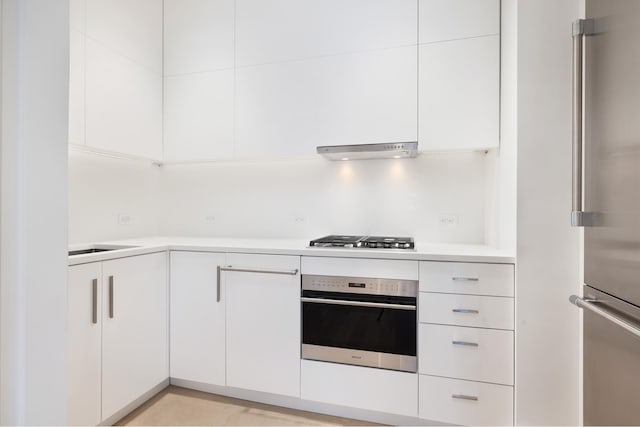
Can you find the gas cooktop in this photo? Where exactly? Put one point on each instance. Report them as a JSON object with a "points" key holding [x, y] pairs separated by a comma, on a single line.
{"points": [[364, 242]]}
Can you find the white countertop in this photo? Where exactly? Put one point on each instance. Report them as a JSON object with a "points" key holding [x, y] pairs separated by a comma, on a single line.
{"points": [[423, 252]]}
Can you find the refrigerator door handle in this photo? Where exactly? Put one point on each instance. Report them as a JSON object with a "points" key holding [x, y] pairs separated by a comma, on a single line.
{"points": [[581, 28], [590, 304]]}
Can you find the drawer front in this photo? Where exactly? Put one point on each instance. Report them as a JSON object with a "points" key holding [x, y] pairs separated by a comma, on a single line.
{"points": [[359, 387], [360, 267], [466, 353], [467, 278], [465, 402], [466, 310]]}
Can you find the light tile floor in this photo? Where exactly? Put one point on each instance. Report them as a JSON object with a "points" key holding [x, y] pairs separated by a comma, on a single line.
{"points": [[177, 406]]}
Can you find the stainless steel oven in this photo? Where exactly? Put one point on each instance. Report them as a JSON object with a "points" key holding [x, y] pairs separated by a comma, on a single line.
{"points": [[360, 321]]}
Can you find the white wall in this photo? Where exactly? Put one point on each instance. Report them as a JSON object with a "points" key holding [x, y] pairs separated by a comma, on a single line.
{"points": [[33, 227], [548, 248], [104, 190], [309, 198]]}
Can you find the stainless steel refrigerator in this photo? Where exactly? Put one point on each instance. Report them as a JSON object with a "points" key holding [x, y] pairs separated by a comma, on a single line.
{"points": [[606, 202]]}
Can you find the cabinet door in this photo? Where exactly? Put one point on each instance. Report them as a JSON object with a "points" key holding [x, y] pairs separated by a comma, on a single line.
{"points": [[135, 351], [84, 343], [441, 20], [197, 318], [263, 324], [287, 109], [459, 94]]}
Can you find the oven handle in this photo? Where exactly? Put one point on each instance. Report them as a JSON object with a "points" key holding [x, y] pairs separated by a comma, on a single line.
{"points": [[359, 303]]}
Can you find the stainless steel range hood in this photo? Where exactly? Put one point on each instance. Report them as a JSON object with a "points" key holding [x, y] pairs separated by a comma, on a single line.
{"points": [[392, 150]]}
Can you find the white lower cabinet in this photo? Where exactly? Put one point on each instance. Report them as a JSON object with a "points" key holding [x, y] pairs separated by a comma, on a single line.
{"points": [[118, 334], [197, 317], [470, 353], [465, 402], [84, 334], [263, 323], [359, 387]]}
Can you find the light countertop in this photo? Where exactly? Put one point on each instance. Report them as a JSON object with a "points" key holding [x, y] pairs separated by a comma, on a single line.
{"points": [[423, 252]]}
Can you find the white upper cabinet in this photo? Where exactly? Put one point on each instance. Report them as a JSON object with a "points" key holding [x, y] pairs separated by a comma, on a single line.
{"points": [[460, 94], [458, 19], [123, 104], [270, 31], [132, 29], [198, 116], [288, 109], [76, 87], [198, 36], [459, 74]]}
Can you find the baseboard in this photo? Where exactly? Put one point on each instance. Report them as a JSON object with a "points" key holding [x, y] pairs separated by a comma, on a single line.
{"points": [[303, 405], [135, 404]]}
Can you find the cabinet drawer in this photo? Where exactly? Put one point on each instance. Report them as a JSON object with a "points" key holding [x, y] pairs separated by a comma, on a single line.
{"points": [[467, 278], [360, 267], [466, 310], [466, 353], [465, 402], [359, 387]]}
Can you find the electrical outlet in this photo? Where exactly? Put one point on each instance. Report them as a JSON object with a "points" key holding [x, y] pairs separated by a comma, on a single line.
{"points": [[210, 219], [124, 218], [299, 219], [448, 220]]}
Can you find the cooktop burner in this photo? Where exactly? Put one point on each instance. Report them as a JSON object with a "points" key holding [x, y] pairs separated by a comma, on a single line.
{"points": [[364, 242]]}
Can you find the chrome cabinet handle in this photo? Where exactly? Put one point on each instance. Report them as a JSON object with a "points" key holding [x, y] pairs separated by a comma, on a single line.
{"points": [[255, 270], [359, 303], [218, 269], [589, 304], [111, 297], [94, 301], [464, 397], [581, 28], [465, 343], [465, 310], [465, 279]]}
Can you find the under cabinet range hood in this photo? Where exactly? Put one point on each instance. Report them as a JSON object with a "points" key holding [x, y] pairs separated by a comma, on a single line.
{"points": [[392, 150]]}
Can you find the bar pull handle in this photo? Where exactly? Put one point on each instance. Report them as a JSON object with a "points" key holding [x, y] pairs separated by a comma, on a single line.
{"points": [[464, 397], [581, 28], [465, 310], [111, 297], [256, 270], [590, 304], [465, 279], [218, 269], [465, 343], [94, 301]]}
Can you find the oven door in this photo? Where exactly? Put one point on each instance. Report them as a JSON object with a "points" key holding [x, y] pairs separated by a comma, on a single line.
{"points": [[367, 330]]}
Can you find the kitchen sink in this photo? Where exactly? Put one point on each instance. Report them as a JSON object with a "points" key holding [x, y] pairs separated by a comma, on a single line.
{"points": [[97, 249]]}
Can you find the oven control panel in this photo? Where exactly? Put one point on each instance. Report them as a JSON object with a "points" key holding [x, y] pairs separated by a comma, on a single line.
{"points": [[360, 285]]}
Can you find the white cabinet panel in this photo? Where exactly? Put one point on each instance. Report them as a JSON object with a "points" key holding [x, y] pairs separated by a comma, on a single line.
{"points": [[263, 325], [198, 35], [467, 310], [459, 93], [359, 267], [457, 19], [123, 104], [76, 87], [466, 353], [359, 387], [131, 28], [467, 278], [77, 12], [288, 109], [135, 351], [84, 344], [198, 116], [270, 31], [493, 407], [197, 318]]}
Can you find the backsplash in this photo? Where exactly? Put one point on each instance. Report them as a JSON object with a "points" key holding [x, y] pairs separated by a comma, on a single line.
{"points": [[435, 198]]}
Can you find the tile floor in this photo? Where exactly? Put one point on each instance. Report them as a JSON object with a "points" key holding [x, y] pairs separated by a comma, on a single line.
{"points": [[177, 406]]}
